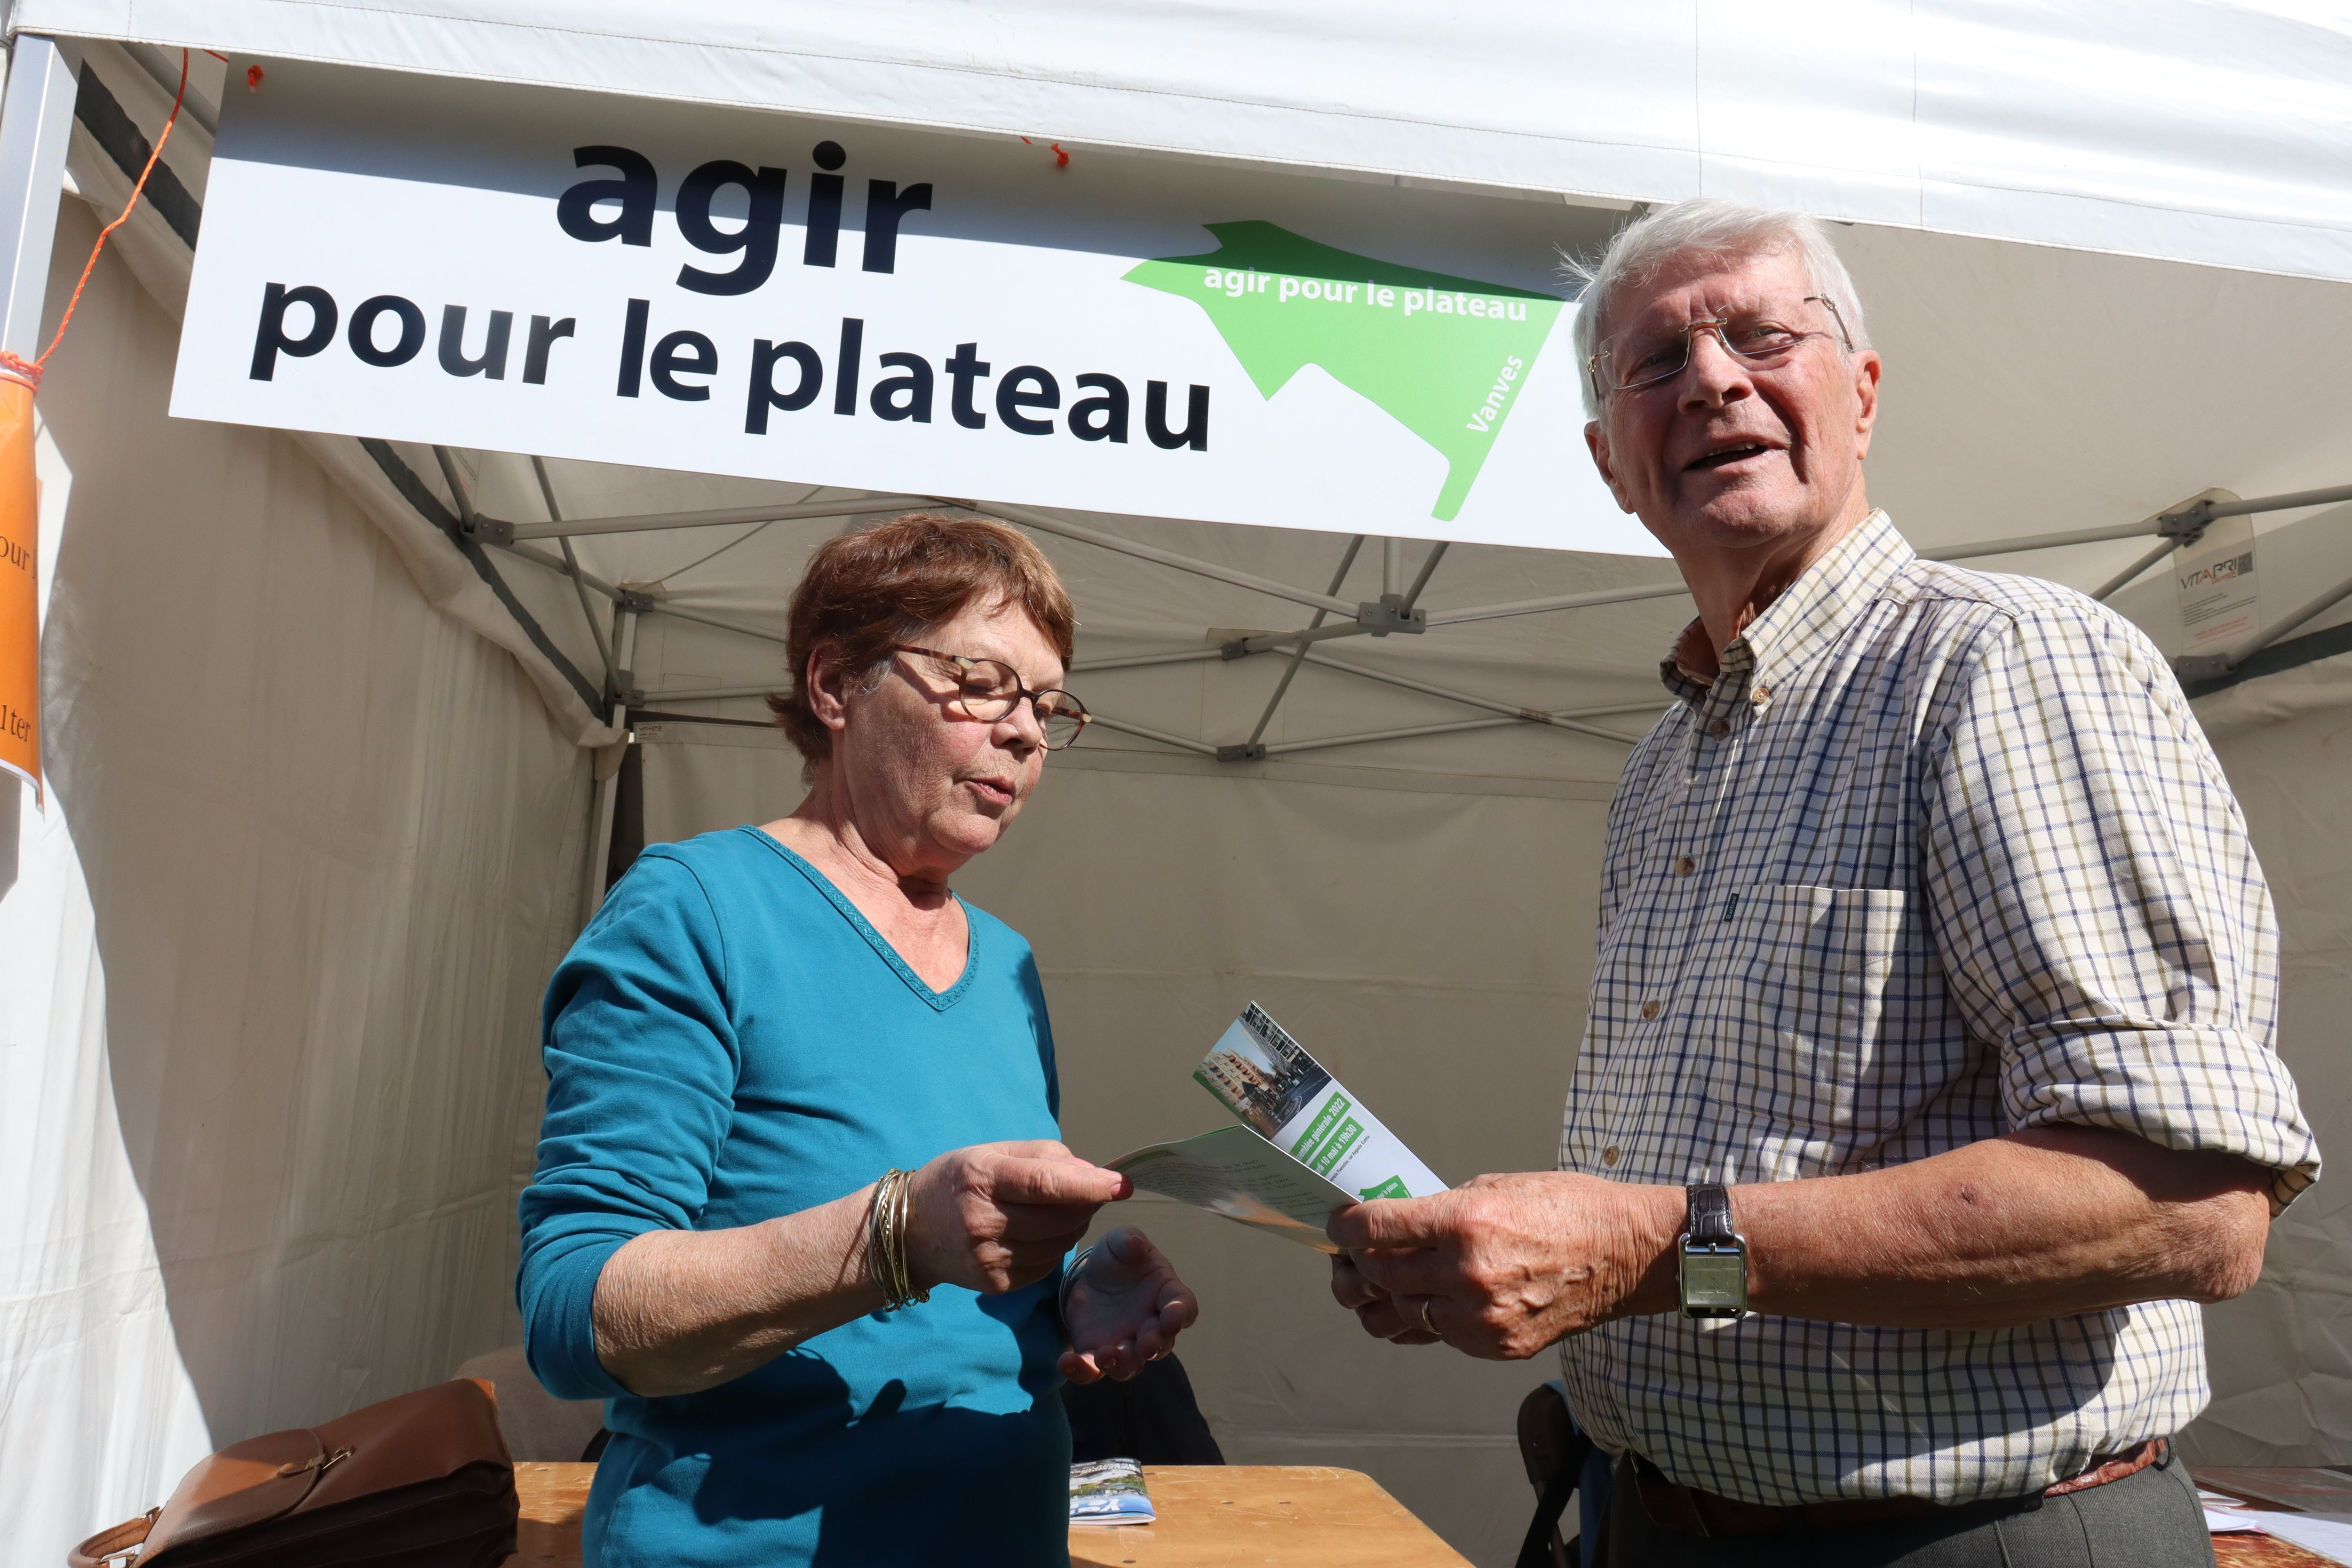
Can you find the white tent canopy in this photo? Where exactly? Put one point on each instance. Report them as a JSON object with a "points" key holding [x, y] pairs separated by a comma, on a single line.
{"points": [[277, 948], [2186, 130]]}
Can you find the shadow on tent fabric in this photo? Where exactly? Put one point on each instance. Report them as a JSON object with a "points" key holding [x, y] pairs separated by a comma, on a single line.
{"points": [[1153, 1419], [1562, 1462]]}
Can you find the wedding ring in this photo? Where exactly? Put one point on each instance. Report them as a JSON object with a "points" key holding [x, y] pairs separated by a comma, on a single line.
{"points": [[1426, 1326]]}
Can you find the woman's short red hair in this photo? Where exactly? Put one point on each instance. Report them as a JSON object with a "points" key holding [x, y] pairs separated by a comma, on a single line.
{"points": [[891, 583]]}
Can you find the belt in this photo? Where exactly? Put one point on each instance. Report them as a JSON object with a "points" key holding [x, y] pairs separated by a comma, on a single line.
{"points": [[1691, 1512]]}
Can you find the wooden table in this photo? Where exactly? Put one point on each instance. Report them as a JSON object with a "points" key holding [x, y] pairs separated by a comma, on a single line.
{"points": [[554, 1500], [2273, 1489], [1211, 1516], [1301, 1516]]}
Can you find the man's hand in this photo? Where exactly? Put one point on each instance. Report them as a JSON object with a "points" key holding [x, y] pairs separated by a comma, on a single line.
{"points": [[1126, 1308], [2048, 1223], [1504, 1266]]}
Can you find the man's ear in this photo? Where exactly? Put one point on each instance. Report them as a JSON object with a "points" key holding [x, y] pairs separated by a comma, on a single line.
{"points": [[1597, 443], [1867, 368], [827, 687]]}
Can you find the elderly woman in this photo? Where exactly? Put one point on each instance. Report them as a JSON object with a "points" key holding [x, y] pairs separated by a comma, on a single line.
{"points": [[800, 1215]]}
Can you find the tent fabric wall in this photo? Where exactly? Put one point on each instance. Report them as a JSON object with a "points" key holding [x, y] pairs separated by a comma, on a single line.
{"points": [[1428, 936], [2281, 1355], [2201, 131], [450, 577], [275, 949]]}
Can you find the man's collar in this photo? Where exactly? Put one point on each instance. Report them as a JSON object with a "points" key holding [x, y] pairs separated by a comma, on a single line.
{"points": [[1808, 616]]}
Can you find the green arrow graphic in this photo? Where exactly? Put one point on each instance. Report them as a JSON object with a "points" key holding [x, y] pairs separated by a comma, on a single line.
{"points": [[1444, 356]]}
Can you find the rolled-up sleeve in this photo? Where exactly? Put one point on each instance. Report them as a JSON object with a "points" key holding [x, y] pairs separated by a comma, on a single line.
{"points": [[2100, 914], [641, 1071]]}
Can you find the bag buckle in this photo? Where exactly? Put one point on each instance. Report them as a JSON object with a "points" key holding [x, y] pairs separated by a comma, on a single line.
{"points": [[322, 1462]]}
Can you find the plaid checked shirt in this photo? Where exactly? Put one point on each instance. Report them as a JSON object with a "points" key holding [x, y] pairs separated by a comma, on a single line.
{"points": [[1940, 855]]}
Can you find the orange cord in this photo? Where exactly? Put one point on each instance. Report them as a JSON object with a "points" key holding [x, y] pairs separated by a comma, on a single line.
{"points": [[31, 373]]}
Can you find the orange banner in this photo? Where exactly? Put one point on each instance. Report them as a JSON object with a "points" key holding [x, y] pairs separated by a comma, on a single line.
{"points": [[20, 612]]}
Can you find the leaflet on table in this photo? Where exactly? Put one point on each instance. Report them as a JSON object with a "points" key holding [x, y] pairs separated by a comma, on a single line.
{"points": [[1305, 1147], [1109, 1491]]}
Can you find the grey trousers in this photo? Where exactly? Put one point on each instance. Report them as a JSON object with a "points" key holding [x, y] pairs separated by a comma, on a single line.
{"points": [[2146, 1520]]}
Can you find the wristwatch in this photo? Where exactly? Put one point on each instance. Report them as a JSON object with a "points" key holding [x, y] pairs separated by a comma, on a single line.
{"points": [[1715, 1257]]}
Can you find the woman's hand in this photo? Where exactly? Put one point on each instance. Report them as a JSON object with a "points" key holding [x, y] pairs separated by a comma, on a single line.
{"points": [[997, 1216], [1124, 1309]]}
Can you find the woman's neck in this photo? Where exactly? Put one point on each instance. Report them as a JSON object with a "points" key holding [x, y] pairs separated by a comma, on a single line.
{"points": [[827, 831]]}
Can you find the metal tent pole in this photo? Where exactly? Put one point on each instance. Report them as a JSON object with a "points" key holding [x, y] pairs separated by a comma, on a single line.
{"points": [[1420, 581], [1564, 602], [2130, 573], [562, 568], [2269, 635], [572, 569], [1030, 518], [1559, 718], [1529, 715], [657, 521], [1161, 736], [704, 617], [2025, 541], [36, 121], [1138, 661], [709, 693], [608, 790], [2291, 501], [1282, 688]]}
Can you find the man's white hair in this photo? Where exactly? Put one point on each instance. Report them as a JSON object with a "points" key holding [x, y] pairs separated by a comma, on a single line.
{"points": [[1704, 226]]}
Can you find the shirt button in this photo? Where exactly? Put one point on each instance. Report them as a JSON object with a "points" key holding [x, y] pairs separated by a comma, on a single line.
{"points": [[1649, 1009], [1610, 1156], [1720, 729], [1686, 866], [1760, 696]]}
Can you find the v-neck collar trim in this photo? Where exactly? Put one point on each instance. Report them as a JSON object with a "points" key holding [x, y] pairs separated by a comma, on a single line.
{"points": [[940, 1001]]}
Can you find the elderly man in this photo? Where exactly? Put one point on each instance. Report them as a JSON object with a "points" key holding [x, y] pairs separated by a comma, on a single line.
{"points": [[1928, 1082]]}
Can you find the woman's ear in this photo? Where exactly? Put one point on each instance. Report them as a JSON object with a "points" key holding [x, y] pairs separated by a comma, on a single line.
{"points": [[827, 687]]}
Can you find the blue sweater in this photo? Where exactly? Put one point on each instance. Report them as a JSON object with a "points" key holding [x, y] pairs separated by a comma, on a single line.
{"points": [[729, 1041]]}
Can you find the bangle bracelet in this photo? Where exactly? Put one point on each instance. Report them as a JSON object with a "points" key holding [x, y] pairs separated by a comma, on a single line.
{"points": [[886, 1241]]}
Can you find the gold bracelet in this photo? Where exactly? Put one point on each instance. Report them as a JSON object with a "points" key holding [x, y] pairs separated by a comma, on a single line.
{"points": [[886, 1241], [877, 1241], [899, 1236]]}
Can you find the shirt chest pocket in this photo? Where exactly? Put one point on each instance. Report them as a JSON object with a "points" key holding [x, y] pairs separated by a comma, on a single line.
{"points": [[1800, 1019]]}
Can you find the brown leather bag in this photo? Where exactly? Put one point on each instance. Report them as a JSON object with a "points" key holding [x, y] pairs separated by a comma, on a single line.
{"points": [[422, 1481]]}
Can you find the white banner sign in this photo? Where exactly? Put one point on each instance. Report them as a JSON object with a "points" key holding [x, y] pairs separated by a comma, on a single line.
{"points": [[634, 281]]}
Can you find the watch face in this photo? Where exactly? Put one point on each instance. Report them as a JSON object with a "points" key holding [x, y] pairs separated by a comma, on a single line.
{"points": [[1715, 1284]]}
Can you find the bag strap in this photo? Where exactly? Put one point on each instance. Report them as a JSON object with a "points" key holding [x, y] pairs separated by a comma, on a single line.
{"points": [[122, 1541], [1537, 1550]]}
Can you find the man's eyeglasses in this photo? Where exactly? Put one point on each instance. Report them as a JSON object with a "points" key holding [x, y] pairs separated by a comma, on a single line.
{"points": [[989, 689], [1632, 361]]}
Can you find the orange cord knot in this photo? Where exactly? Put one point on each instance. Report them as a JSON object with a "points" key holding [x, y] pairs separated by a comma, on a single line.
{"points": [[15, 367]]}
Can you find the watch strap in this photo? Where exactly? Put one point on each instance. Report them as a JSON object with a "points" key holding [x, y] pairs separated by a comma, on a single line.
{"points": [[1710, 1215]]}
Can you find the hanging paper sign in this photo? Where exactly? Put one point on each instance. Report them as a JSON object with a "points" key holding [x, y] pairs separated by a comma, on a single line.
{"points": [[884, 308], [2220, 596], [20, 615]]}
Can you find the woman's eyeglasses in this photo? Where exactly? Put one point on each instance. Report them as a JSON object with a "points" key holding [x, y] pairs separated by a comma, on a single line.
{"points": [[990, 689]]}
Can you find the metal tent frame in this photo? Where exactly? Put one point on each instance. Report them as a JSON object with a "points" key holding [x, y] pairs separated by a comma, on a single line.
{"points": [[36, 121]]}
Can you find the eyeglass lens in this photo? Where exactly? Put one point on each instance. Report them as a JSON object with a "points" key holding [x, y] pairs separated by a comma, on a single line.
{"points": [[1644, 359], [990, 690]]}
